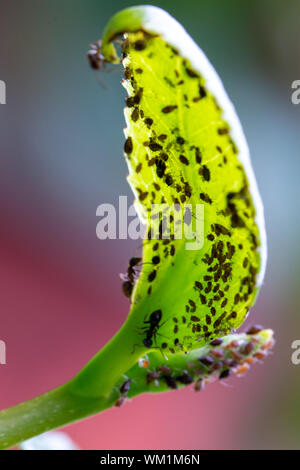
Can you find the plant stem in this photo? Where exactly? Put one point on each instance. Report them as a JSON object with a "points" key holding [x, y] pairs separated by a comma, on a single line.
{"points": [[44, 413], [100, 375], [90, 392]]}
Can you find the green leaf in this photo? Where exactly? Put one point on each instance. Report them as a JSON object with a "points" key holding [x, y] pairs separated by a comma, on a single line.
{"points": [[185, 146]]}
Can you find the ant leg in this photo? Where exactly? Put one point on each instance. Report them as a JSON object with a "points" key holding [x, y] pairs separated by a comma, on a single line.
{"points": [[163, 355], [161, 351], [136, 345], [100, 82], [163, 336], [141, 331]]}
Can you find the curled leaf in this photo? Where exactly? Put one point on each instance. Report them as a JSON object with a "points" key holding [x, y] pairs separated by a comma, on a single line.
{"points": [[186, 150], [204, 253]]}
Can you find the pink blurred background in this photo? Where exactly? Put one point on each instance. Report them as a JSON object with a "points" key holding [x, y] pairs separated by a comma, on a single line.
{"points": [[61, 156]]}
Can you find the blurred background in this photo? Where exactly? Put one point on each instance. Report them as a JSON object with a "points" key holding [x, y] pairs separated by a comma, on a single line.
{"points": [[61, 145]]}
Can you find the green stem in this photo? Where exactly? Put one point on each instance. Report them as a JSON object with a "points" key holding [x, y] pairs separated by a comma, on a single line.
{"points": [[44, 413], [100, 375], [90, 392], [71, 401]]}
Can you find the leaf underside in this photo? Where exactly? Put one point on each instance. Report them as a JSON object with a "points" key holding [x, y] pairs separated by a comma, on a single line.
{"points": [[179, 151]]}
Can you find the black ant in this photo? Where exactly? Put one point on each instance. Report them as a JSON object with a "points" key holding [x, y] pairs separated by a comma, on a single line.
{"points": [[130, 276], [152, 330]]}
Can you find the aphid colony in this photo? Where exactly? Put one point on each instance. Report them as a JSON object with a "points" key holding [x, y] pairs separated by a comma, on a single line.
{"points": [[222, 360], [179, 165]]}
